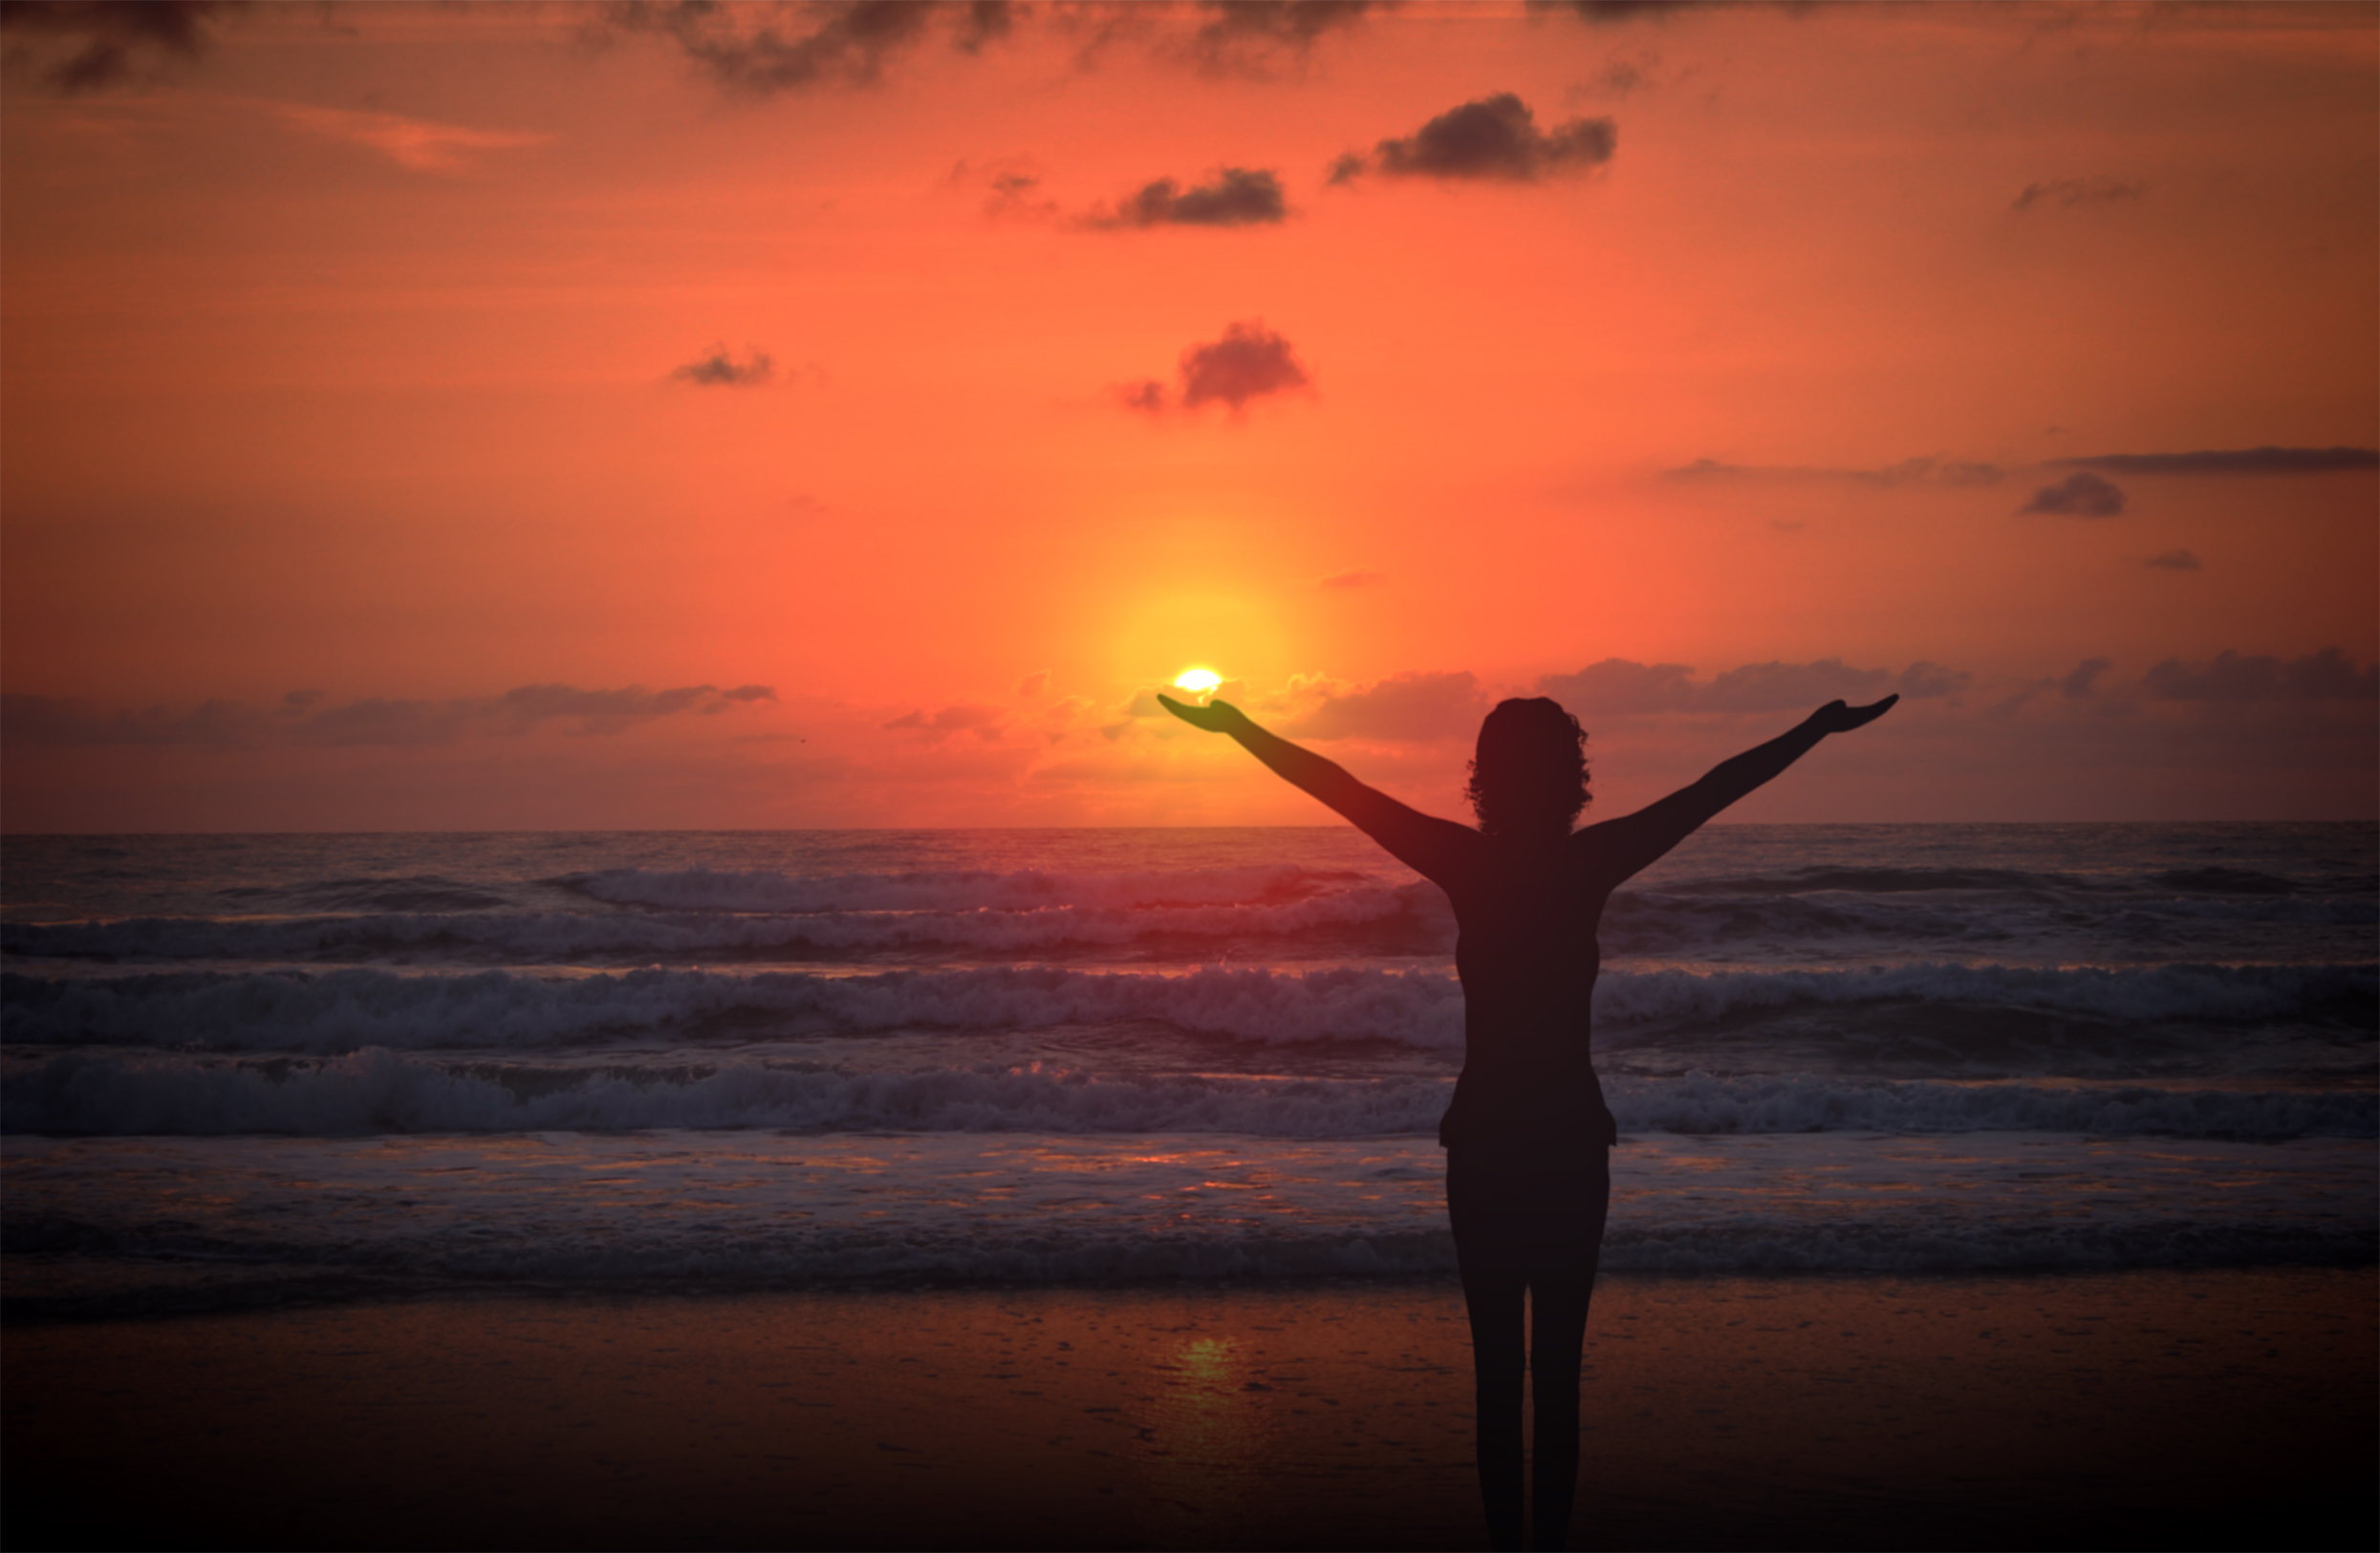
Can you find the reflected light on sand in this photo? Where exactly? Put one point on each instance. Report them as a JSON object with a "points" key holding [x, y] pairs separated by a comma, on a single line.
{"points": [[1207, 1418]]}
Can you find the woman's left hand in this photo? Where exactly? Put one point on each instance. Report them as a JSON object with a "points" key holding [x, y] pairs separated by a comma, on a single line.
{"points": [[1837, 718], [1215, 717]]}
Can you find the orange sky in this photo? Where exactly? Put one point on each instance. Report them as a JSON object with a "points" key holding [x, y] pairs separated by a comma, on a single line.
{"points": [[354, 382]]}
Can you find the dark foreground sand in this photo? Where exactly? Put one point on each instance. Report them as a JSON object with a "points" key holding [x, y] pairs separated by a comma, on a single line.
{"points": [[2142, 1410]]}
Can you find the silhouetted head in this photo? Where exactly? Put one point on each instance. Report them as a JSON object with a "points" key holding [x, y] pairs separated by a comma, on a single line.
{"points": [[1530, 777]]}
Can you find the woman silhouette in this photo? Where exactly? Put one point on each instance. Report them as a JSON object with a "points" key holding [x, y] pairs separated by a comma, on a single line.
{"points": [[1529, 1174]]}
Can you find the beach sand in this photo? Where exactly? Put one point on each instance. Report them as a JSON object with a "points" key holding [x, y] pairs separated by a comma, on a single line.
{"points": [[2229, 1408]]}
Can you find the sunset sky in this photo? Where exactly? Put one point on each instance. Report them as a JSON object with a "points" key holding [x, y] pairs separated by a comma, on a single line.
{"points": [[578, 417]]}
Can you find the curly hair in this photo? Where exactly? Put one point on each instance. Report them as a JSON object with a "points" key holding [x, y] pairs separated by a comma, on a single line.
{"points": [[1530, 776]]}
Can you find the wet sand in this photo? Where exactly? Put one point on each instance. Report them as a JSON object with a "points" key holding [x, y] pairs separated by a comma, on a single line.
{"points": [[2139, 1409]]}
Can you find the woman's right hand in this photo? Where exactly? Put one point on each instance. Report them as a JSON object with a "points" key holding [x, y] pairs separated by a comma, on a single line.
{"points": [[1215, 717]]}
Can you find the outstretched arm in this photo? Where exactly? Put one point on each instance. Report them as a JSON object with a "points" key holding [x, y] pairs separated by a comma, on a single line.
{"points": [[1426, 845], [1634, 841]]}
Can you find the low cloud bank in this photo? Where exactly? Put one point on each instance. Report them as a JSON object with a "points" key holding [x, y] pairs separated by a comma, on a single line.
{"points": [[2326, 674], [1620, 685], [2244, 461], [302, 718], [1930, 472], [2081, 494]]}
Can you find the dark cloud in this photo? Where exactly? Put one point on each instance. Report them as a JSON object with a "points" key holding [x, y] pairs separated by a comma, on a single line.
{"points": [[1495, 137], [1618, 685], [1016, 194], [2084, 678], [2073, 191], [1406, 707], [1251, 361], [2081, 494], [1935, 470], [1352, 579], [1248, 362], [763, 50], [1606, 10], [1234, 197], [1147, 396], [2246, 461], [87, 44], [2175, 561], [1246, 38], [982, 722], [53, 720], [2327, 674], [719, 370]]}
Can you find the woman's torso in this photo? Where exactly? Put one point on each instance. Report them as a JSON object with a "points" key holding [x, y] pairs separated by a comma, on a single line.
{"points": [[1525, 952]]}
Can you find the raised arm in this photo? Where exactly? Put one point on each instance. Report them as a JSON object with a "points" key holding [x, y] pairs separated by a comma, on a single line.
{"points": [[1430, 846], [1633, 841]]}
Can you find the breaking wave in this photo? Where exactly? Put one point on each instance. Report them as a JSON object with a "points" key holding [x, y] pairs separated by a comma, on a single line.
{"points": [[344, 1011]]}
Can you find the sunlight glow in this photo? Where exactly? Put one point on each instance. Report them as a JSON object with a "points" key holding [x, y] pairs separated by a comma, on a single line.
{"points": [[1199, 682]]}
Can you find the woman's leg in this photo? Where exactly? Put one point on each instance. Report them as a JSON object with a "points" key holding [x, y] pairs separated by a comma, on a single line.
{"points": [[1558, 1335], [1492, 1296], [1558, 1299]]}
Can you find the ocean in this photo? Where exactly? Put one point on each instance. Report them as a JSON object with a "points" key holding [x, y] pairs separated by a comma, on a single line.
{"points": [[249, 1068]]}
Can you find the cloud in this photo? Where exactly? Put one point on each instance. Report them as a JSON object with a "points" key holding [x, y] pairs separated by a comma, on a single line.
{"points": [[1351, 579], [1249, 362], [2323, 675], [1147, 396], [1607, 11], [1621, 76], [1011, 185], [415, 144], [1619, 685], [1403, 708], [88, 45], [718, 370], [2084, 678], [2073, 191], [55, 721], [763, 50], [1929, 471], [1235, 197], [1495, 137], [1033, 683], [1247, 37], [982, 722], [2175, 561], [2246, 461], [2081, 494], [1013, 195]]}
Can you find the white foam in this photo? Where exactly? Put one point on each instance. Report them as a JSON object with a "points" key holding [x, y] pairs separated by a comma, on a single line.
{"points": [[348, 1010]]}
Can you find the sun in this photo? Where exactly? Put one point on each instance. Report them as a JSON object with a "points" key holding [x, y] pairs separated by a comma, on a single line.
{"points": [[1199, 682]]}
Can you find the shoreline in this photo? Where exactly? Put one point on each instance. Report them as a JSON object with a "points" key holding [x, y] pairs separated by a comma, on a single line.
{"points": [[2208, 1408]]}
